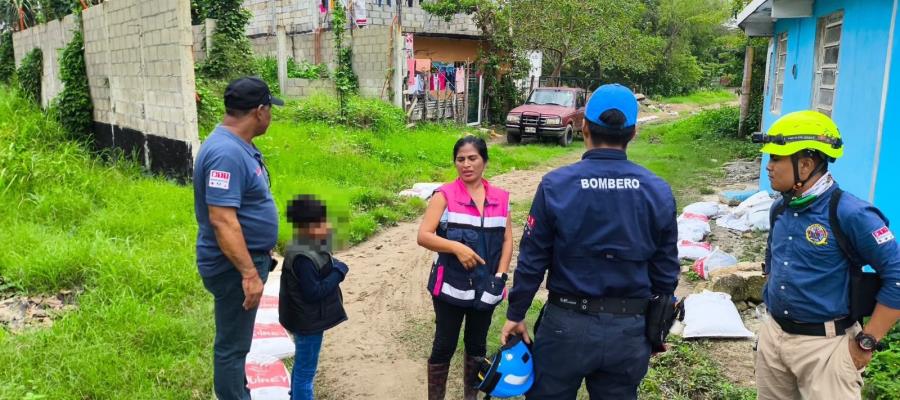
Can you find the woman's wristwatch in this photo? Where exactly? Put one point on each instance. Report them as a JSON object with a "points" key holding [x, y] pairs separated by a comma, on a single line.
{"points": [[501, 275]]}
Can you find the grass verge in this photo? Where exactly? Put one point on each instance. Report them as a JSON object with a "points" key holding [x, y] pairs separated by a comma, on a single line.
{"points": [[143, 327], [701, 98]]}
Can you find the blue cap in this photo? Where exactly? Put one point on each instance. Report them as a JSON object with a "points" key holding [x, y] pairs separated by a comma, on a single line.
{"points": [[609, 97]]}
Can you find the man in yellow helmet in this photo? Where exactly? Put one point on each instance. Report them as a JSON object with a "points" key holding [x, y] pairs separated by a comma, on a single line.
{"points": [[813, 346]]}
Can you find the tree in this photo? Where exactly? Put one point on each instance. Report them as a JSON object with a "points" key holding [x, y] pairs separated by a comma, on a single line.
{"points": [[578, 32], [500, 61]]}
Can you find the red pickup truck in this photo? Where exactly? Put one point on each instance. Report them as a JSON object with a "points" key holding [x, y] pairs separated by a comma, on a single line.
{"points": [[550, 112]]}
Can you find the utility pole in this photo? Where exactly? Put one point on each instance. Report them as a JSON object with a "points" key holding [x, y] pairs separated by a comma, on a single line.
{"points": [[745, 89]]}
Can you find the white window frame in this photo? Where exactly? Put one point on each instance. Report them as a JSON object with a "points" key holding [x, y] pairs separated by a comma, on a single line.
{"points": [[780, 69], [827, 22]]}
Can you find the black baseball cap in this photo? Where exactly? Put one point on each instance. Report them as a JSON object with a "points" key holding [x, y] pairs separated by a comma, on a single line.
{"points": [[248, 93]]}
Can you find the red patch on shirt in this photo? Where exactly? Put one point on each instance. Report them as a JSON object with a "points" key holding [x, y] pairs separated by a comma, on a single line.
{"points": [[883, 235], [219, 179]]}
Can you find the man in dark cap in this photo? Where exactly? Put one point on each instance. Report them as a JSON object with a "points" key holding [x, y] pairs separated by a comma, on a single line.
{"points": [[238, 226]]}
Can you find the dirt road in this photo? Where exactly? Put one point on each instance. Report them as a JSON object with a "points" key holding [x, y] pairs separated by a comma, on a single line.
{"points": [[368, 356]]}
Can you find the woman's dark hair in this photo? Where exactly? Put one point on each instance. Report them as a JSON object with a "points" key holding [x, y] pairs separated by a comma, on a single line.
{"points": [[614, 132], [476, 141], [305, 209]]}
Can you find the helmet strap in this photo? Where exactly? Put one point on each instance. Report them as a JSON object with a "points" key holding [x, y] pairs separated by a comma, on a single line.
{"points": [[799, 183]]}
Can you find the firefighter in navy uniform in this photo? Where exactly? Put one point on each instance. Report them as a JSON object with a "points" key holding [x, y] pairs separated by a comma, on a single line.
{"points": [[605, 228]]}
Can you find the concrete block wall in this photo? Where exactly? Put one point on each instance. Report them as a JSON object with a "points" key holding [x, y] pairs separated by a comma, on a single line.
{"points": [[139, 58], [303, 47], [372, 59], [294, 15], [51, 38], [416, 20], [198, 47], [264, 46], [306, 87]]}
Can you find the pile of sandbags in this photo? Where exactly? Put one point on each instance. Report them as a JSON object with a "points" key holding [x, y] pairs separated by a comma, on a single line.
{"points": [[751, 214], [693, 227]]}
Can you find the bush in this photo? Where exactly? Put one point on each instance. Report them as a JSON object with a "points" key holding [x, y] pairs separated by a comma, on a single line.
{"points": [[75, 109], [267, 69], [305, 70], [721, 122], [882, 374], [7, 58], [210, 105], [29, 74], [231, 55], [361, 112]]}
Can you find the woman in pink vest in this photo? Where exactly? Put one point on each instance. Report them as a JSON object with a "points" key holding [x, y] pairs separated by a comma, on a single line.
{"points": [[467, 225]]}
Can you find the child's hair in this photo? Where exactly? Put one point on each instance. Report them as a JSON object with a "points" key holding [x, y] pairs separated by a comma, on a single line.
{"points": [[305, 209]]}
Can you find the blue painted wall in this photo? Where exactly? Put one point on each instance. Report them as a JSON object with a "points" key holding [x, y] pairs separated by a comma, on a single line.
{"points": [[861, 65], [887, 188]]}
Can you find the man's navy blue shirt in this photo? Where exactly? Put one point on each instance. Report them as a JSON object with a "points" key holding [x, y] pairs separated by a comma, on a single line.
{"points": [[229, 172], [604, 227], [808, 273]]}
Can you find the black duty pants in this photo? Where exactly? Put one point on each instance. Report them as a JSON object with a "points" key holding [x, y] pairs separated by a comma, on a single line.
{"points": [[609, 352], [448, 320]]}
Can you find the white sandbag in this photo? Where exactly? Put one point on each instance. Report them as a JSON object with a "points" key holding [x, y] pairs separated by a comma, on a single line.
{"points": [[708, 208], [267, 313], [688, 250], [715, 260], [272, 340], [712, 314], [267, 379], [693, 227], [734, 222], [759, 220], [421, 190], [757, 202]]}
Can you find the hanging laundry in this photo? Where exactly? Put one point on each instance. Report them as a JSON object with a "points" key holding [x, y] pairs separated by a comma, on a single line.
{"points": [[423, 64], [323, 6], [411, 67], [420, 83], [460, 80], [360, 17]]}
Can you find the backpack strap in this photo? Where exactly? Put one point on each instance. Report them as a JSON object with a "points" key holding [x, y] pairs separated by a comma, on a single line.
{"points": [[856, 262], [775, 212]]}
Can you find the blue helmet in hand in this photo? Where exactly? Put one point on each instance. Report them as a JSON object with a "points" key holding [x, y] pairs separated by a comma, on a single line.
{"points": [[508, 373]]}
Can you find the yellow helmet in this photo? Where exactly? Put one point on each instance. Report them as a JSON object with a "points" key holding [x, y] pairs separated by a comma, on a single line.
{"points": [[802, 130]]}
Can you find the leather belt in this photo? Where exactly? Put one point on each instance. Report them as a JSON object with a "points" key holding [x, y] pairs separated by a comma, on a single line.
{"points": [[802, 328], [612, 305]]}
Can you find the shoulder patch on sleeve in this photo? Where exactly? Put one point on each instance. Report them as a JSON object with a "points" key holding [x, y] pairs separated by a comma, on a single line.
{"points": [[883, 235], [219, 179]]}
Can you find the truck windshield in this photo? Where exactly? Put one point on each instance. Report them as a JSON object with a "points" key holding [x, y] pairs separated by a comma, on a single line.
{"points": [[563, 98]]}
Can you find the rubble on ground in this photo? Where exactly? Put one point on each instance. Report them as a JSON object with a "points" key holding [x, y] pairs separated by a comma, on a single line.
{"points": [[19, 312]]}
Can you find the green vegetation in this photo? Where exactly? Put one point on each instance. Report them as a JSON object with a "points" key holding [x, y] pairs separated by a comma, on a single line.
{"points": [[231, 55], [346, 83], [75, 108], [687, 372], [688, 152], [883, 374], [127, 240], [701, 98], [29, 75], [7, 58]]}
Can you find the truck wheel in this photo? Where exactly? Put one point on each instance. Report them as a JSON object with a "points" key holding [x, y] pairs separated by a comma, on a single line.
{"points": [[566, 139], [513, 138]]}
